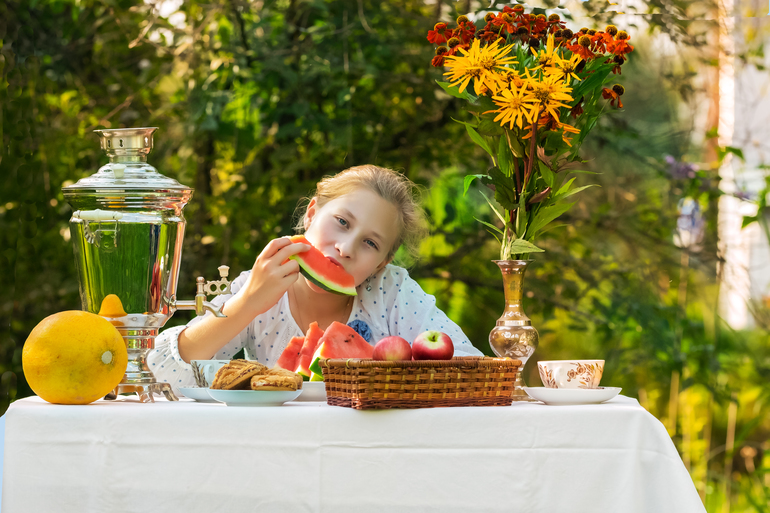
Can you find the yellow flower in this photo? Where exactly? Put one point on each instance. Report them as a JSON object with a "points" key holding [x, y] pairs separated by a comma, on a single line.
{"points": [[515, 105], [546, 57], [565, 68], [485, 66], [549, 94], [567, 129]]}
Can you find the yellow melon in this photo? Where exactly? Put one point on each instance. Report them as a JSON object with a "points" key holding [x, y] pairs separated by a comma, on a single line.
{"points": [[74, 357]]}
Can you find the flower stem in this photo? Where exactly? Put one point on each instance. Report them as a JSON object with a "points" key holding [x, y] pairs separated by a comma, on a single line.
{"points": [[515, 163], [532, 146]]}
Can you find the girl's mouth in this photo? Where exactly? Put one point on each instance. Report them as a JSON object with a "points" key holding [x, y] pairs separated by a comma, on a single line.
{"points": [[335, 262]]}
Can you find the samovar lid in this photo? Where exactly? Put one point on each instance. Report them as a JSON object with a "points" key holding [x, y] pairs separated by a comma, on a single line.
{"points": [[128, 170]]}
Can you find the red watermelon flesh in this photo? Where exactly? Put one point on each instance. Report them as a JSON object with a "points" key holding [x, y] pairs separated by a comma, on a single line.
{"points": [[290, 356], [313, 335], [323, 272], [340, 341]]}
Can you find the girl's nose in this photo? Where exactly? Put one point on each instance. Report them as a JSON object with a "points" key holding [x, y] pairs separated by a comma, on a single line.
{"points": [[345, 248]]}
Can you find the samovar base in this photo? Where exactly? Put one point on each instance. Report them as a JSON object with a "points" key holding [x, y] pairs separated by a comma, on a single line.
{"points": [[145, 391]]}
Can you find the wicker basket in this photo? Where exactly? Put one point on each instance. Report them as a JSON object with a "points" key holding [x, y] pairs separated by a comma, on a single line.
{"points": [[366, 384]]}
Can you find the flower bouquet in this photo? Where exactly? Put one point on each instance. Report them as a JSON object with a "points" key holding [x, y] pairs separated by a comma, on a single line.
{"points": [[536, 89]]}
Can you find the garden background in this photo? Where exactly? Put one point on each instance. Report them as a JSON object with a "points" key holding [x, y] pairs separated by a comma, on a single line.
{"points": [[256, 101]]}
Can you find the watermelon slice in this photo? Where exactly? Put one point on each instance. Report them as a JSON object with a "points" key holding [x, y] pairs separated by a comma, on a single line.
{"points": [[313, 335], [340, 341], [290, 356], [322, 271]]}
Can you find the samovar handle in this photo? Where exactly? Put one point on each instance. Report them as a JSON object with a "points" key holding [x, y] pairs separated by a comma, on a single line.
{"points": [[204, 289]]}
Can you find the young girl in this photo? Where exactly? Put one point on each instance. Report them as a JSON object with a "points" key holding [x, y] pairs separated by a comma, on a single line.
{"points": [[358, 219]]}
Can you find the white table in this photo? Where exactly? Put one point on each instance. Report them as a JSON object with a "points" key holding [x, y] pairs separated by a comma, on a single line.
{"points": [[190, 457]]}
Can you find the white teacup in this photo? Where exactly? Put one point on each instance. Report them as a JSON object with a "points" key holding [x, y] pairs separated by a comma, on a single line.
{"points": [[571, 373], [209, 368]]}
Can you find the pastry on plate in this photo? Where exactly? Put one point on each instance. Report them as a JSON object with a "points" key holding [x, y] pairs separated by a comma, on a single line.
{"points": [[275, 381], [277, 371], [236, 375]]}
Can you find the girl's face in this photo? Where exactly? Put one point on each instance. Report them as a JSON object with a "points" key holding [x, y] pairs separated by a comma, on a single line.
{"points": [[356, 231]]}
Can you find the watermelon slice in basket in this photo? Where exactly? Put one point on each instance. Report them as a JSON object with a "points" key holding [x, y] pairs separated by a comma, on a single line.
{"points": [[322, 271], [340, 341]]}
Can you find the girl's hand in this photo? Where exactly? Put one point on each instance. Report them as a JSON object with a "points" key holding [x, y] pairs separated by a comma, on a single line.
{"points": [[273, 273]]}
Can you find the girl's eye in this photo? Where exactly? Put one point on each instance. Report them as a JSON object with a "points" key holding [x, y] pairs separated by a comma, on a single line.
{"points": [[371, 243], [342, 221]]}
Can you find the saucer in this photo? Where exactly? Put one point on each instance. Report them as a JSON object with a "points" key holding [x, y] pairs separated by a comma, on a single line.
{"points": [[313, 391], [254, 397], [198, 394], [564, 396]]}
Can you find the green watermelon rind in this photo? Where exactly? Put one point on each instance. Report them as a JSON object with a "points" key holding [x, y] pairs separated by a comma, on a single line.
{"points": [[307, 272], [315, 363]]}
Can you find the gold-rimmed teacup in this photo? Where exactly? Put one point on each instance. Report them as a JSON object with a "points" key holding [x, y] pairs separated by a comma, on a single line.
{"points": [[571, 373]]}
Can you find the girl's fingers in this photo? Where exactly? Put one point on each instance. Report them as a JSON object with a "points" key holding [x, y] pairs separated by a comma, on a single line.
{"points": [[292, 249], [274, 246], [289, 268]]}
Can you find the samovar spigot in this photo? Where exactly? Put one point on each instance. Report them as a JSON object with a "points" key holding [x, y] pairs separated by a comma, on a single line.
{"points": [[204, 289]]}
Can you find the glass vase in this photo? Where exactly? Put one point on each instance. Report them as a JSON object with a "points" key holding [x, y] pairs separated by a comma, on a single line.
{"points": [[513, 335]]}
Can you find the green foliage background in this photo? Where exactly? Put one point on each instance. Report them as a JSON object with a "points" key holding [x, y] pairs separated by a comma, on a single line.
{"points": [[257, 101]]}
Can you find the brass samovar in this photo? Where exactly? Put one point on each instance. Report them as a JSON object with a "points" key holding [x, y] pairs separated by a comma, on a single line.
{"points": [[127, 229]]}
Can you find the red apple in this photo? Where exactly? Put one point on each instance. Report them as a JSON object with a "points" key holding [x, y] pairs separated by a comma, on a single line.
{"points": [[433, 345], [391, 349]]}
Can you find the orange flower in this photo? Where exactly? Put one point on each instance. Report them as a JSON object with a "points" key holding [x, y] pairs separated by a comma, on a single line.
{"points": [[609, 94], [506, 21], [621, 46], [465, 31], [583, 48], [440, 34], [577, 109], [600, 41]]}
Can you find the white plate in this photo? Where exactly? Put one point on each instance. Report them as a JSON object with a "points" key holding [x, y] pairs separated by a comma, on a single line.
{"points": [[313, 391], [199, 394], [254, 397], [562, 396]]}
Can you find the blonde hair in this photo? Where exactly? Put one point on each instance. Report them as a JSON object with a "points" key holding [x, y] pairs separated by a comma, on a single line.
{"points": [[390, 186]]}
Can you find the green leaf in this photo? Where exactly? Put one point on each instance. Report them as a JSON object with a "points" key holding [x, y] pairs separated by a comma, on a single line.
{"points": [[516, 147], [747, 220], [523, 246], [482, 104], [546, 173], [468, 181], [504, 156], [575, 191], [455, 91], [463, 122], [505, 189], [589, 84], [545, 215], [489, 128], [499, 216], [479, 140], [552, 227], [722, 153], [489, 225]]}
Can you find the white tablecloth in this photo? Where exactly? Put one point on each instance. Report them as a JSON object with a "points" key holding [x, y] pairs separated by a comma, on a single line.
{"points": [[190, 457]]}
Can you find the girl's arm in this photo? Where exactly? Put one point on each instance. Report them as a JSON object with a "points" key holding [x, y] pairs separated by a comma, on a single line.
{"points": [[270, 278]]}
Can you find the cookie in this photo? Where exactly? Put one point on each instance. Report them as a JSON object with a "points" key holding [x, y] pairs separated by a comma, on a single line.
{"points": [[277, 371], [236, 375], [275, 382]]}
